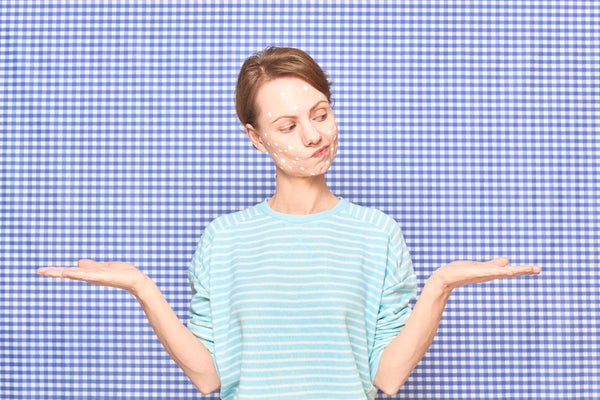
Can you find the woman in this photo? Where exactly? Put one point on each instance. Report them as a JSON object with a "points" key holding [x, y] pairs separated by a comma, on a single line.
{"points": [[304, 295]]}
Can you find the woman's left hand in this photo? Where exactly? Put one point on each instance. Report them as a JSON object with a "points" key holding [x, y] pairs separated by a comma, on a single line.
{"points": [[461, 273]]}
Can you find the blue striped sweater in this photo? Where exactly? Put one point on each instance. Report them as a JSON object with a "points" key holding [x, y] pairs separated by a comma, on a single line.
{"points": [[300, 306]]}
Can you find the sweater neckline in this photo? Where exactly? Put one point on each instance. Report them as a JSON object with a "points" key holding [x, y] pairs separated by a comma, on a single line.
{"points": [[299, 219]]}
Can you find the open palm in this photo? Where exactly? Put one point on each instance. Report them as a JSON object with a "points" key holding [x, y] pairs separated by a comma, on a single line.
{"points": [[461, 273], [116, 274]]}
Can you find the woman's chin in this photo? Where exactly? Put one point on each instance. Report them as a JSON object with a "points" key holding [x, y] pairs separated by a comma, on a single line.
{"points": [[305, 172]]}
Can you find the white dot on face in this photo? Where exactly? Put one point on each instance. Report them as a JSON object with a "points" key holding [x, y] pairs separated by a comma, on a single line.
{"points": [[283, 160], [265, 134], [290, 147], [282, 93], [312, 173], [290, 167], [335, 127], [275, 143], [305, 88], [302, 168], [270, 115], [295, 107], [294, 161], [327, 162]]}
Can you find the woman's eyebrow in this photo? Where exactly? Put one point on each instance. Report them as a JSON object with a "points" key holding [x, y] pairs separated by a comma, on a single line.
{"points": [[318, 103], [292, 116]]}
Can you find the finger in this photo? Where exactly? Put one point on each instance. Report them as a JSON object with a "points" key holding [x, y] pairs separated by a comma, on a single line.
{"points": [[525, 270], [49, 271], [61, 272], [56, 272], [512, 272]]}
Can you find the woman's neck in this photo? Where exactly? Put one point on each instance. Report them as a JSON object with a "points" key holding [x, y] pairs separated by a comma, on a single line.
{"points": [[302, 196]]}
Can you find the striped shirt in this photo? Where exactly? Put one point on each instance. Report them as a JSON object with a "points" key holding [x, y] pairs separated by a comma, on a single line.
{"points": [[300, 306]]}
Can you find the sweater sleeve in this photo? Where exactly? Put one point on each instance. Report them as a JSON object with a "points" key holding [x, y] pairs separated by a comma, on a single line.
{"points": [[200, 322], [399, 288]]}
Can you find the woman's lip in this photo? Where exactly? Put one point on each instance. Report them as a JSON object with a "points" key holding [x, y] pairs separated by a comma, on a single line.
{"points": [[322, 151]]}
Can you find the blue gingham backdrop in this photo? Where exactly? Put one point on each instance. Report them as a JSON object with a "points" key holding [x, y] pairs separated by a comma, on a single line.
{"points": [[474, 124]]}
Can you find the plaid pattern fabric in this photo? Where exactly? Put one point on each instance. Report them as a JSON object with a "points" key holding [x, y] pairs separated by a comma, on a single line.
{"points": [[474, 124]]}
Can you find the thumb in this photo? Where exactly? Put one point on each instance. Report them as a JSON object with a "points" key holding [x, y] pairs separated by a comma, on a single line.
{"points": [[85, 263], [499, 262]]}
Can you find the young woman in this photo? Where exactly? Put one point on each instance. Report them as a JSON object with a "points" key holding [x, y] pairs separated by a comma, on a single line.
{"points": [[305, 295]]}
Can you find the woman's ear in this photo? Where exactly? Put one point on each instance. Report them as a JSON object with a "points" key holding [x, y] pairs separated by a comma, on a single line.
{"points": [[255, 138]]}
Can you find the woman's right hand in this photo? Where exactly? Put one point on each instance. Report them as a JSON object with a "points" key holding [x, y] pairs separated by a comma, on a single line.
{"points": [[185, 349], [116, 274]]}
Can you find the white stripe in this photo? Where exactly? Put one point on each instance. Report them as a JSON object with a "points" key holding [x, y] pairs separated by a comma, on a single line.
{"points": [[292, 248], [306, 310], [335, 393], [283, 263], [328, 355], [276, 280], [242, 245]]}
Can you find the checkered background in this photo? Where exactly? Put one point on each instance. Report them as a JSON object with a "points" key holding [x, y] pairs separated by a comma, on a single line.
{"points": [[474, 124]]}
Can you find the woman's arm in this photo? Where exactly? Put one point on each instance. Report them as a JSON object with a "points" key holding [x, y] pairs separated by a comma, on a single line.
{"points": [[403, 353], [181, 344]]}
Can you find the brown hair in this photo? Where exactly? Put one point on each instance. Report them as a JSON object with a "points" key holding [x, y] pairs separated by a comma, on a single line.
{"points": [[270, 64]]}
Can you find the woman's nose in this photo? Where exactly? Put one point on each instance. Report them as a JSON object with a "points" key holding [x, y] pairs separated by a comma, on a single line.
{"points": [[310, 135]]}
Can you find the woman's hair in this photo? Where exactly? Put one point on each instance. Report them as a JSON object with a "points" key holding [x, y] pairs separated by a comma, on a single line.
{"points": [[270, 64]]}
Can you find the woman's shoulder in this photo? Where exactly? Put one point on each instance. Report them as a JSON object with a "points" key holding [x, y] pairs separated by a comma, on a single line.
{"points": [[369, 218], [235, 220], [369, 214]]}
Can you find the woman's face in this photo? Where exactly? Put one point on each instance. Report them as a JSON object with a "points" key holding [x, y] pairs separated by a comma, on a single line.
{"points": [[296, 126]]}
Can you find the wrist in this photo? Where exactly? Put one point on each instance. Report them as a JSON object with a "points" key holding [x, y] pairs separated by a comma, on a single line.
{"points": [[437, 283], [142, 286]]}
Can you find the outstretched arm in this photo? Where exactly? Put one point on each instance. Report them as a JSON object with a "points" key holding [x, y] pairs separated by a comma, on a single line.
{"points": [[403, 353], [181, 344]]}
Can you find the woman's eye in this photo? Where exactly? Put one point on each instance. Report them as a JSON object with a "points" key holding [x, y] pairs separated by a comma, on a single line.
{"points": [[321, 117], [288, 128]]}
